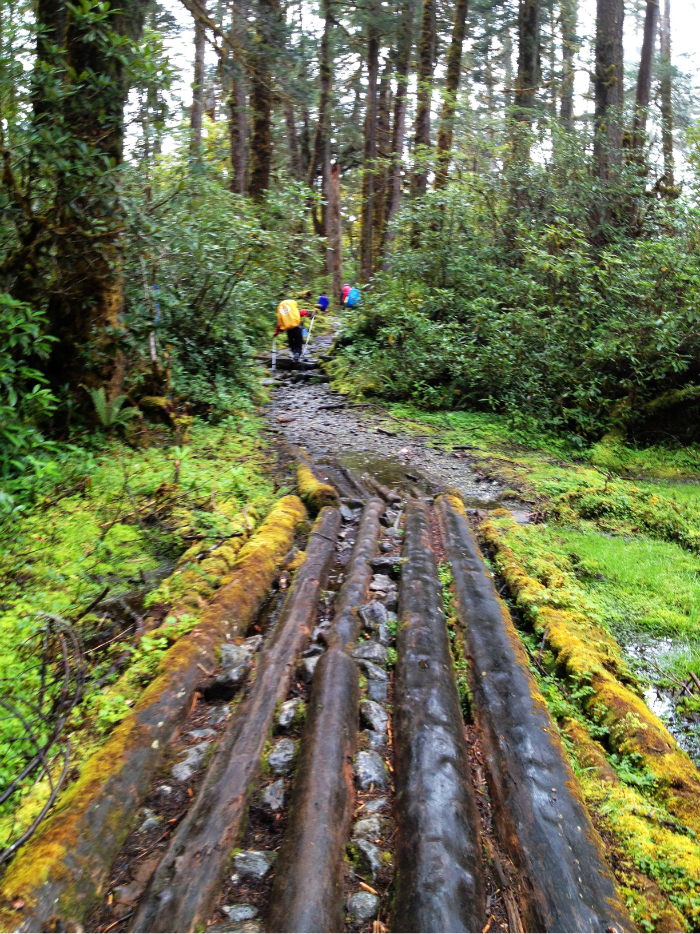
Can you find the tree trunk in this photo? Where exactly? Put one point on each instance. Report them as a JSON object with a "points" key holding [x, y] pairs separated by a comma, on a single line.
{"points": [[383, 156], [528, 80], [426, 62], [609, 88], [267, 45], [666, 96], [305, 144], [368, 165], [237, 104], [292, 143], [646, 63], [325, 76], [404, 44], [86, 297], [334, 231], [569, 16], [197, 108], [454, 71]]}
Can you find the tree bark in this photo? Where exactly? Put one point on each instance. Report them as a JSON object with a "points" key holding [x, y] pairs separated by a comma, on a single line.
{"points": [[383, 156], [325, 76], [426, 63], [528, 80], [197, 107], [609, 88], [404, 44], [646, 63], [370, 154], [666, 96], [569, 16], [292, 143], [267, 43], [237, 104], [334, 231], [454, 71]]}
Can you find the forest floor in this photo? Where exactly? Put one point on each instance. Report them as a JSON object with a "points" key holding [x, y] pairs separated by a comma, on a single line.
{"points": [[595, 556]]}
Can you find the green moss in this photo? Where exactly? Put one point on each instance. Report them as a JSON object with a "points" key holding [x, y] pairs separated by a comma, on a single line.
{"points": [[314, 492]]}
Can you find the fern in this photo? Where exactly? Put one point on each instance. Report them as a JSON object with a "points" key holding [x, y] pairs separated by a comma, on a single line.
{"points": [[109, 411]]}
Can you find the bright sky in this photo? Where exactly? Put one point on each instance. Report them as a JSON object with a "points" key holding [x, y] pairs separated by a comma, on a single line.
{"points": [[685, 42]]}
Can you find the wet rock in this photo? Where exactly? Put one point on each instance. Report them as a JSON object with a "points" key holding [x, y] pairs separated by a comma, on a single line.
{"points": [[151, 822], [250, 865], [369, 828], [392, 602], [370, 858], [370, 651], [378, 691], [163, 791], [386, 564], [312, 651], [268, 381], [346, 513], [373, 672], [128, 894], [194, 756], [273, 795], [225, 685], [240, 912], [288, 712], [372, 614], [384, 634], [253, 644], [374, 716], [369, 770], [364, 907], [382, 583], [386, 547], [355, 503], [374, 805], [282, 756], [200, 734], [234, 655], [218, 715], [307, 668]]}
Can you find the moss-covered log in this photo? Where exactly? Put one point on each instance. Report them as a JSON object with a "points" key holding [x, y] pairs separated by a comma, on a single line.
{"points": [[61, 872], [588, 655], [190, 874], [315, 493], [541, 817]]}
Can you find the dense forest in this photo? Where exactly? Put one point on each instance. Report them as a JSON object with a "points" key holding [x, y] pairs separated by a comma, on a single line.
{"points": [[514, 189]]}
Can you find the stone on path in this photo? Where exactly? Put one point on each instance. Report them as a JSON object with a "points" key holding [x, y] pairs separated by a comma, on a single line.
{"points": [[364, 907], [374, 716], [251, 865], [288, 712], [372, 615], [371, 651], [194, 756], [273, 795], [370, 770], [370, 858], [282, 755], [240, 912]]}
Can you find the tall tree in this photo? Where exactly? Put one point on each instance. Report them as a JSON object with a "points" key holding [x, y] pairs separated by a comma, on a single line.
{"points": [[666, 96], [325, 79], [370, 153], [383, 156], [404, 45], [528, 79], [608, 85], [569, 46], [197, 108], [426, 64], [646, 63], [452, 76], [269, 39], [236, 101], [334, 230]]}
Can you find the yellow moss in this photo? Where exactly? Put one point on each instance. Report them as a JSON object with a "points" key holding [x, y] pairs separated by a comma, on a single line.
{"points": [[589, 655], [216, 566], [315, 494], [297, 561], [233, 609]]}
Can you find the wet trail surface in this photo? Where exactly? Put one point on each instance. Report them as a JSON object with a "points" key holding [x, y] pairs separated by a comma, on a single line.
{"points": [[333, 774]]}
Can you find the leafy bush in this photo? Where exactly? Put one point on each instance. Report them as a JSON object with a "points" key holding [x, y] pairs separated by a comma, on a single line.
{"points": [[532, 318], [25, 400]]}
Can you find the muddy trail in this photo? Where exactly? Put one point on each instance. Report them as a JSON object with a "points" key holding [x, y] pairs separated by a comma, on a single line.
{"points": [[343, 759]]}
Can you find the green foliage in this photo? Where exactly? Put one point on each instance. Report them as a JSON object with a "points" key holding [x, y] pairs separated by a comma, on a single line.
{"points": [[528, 316], [25, 400], [110, 411]]}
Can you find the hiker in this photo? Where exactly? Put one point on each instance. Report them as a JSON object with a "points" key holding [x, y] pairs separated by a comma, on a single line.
{"points": [[323, 302], [346, 292], [289, 317]]}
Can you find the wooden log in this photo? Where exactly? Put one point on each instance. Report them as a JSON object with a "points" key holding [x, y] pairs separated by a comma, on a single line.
{"points": [[376, 487], [540, 815], [189, 877], [61, 872], [353, 593], [439, 883], [307, 894]]}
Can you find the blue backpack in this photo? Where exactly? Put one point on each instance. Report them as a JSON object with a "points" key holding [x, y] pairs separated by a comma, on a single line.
{"points": [[353, 298]]}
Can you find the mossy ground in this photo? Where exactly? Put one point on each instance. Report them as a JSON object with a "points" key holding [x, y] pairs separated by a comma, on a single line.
{"points": [[120, 517]]}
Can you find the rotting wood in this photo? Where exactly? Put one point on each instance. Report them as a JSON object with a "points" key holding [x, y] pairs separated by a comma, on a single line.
{"points": [[439, 884], [189, 877], [59, 875], [541, 818]]}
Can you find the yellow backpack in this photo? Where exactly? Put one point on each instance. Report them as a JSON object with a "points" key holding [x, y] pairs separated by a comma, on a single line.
{"points": [[288, 315]]}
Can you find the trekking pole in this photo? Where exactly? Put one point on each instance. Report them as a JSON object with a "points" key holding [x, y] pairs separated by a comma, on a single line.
{"points": [[308, 337], [274, 354]]}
